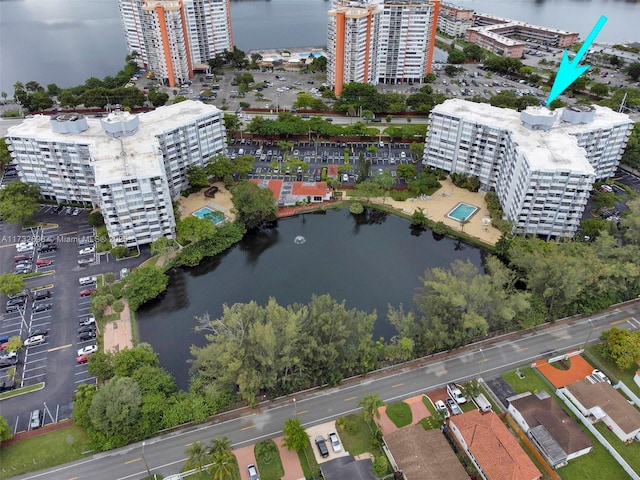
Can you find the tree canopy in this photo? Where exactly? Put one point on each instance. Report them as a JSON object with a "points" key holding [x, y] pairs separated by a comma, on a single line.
{"points": [[143, 284], [253, 205], [19, 202]]}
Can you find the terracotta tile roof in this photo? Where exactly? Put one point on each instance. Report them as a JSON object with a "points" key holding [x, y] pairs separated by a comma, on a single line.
{"points": [[423, 454], [332, 170], [606, 397], [274, 185], [495, 449], [314, 189]]}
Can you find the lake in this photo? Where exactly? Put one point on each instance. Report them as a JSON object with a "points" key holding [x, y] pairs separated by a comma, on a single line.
{"points": [[371, 261]]}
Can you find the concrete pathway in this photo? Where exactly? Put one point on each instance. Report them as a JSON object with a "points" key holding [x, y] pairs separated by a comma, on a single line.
{"points": [[290, 462], [117, 334], [384, 422], [418, 409]]}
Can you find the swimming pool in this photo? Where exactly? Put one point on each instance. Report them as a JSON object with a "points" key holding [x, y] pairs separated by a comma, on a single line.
{"points": [[462, 212], [206, 213]]}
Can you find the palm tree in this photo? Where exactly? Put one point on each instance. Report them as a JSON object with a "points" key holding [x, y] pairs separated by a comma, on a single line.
{"points": [[221, 458], [197, 457], [370, 404], [286, 147]]}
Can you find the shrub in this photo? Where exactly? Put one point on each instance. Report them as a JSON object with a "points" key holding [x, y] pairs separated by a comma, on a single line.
{"points": [[380, 466], [356, 208]]}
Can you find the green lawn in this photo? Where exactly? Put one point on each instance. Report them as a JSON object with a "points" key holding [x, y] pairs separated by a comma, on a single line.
{"points": [[44, 451], [22, 391], [207, 476], [310, 467], [432, 422], [357, 437], [400, 414], [268, 460], [598, 460], [631, 452], [610, 369]]}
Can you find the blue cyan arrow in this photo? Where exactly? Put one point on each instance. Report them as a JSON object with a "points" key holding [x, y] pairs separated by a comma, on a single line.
{"points": [[569, 71]]}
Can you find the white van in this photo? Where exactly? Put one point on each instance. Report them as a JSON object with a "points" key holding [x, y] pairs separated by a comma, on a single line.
{"points": [[241, 151], [482, 402], [87, 281]]}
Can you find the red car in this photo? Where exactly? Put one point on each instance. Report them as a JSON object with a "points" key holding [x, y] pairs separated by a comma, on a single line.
{"points": [[87, 292], [42, 262], [82, 359], [19, 258]]}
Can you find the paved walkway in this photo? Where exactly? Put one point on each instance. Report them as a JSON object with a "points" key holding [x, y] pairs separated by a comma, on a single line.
{"points": [[578, 370], [245, 457], [290, 462], [117, 334], [384, 422], [418, 409]]}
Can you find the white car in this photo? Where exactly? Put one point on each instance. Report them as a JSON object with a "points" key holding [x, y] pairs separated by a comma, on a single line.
{"points": [[35, 340], [335, 442], [253, 472], [88, 350], [87, 250], [600, 377], [443, 408]]}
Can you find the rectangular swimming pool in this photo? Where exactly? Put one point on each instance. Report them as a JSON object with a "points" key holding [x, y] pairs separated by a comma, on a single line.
{"points": [[462, 212], [206, 213]]}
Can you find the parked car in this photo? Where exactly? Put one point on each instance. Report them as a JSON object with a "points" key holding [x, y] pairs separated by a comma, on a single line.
{"points": [[16, 301], [253, 472], [35, 420], [84, 336], [38, 332], [21, 257], [41, 262], [22, 270], [87, 281], [42, 294], [600, 377], [87, 250], [456, 393], [46, 248], [443, 408], [84, 358], [322, 446], [85, 262], [88, 350], [335, 442], [87, 292], [35, 340], [453, 406], [86, 328], [90, 320], [42, 307]]}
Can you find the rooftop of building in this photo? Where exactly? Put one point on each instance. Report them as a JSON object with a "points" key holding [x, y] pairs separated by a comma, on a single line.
{"points": [[496, 450], [422, 453], [140, 158], [501, 21], [548, 413], [603, 395], [545, 150]]}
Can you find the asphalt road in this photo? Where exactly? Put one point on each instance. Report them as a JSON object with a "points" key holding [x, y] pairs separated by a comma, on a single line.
{"points": [[165, 454]]}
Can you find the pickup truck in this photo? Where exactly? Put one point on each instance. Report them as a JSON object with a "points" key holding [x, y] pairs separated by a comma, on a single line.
{"points": [[453, 406]]}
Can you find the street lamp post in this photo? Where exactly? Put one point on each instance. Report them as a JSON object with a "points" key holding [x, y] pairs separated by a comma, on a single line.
{"points": [[295, 406], [589, 336], [484, 359], [145, 461]]}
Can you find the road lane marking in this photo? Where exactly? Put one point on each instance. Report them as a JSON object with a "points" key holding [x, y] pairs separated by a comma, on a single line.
{"points": [[247, 428], [397, 385], [301, 412], [618, 322], [349, 399], [562, 339], [60, 347], [522, 349], [132, 461]]}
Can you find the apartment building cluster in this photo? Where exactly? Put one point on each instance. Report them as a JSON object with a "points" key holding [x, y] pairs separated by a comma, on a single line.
{"points": [[175, 37], [509, 37], [541, 164], [130, 166], [454, 21], [380, 41]]}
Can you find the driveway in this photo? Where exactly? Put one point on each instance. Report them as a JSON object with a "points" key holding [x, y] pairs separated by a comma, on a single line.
{"points": [[290, 462], [323, 430], [245, 457]]}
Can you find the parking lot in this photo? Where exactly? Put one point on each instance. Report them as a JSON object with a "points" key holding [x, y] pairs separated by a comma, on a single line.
{"points": [[53, 315]]}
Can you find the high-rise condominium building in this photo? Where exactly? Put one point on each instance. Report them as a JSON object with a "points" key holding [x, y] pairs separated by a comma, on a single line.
{"points": [[541, 164], [130, 166], [380, 41], [175, 37]]}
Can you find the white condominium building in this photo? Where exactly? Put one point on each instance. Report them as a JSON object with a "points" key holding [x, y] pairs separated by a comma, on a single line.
{"points": [[129, 166], [541, 164], [454, 20], [380, 41], [175, 37]]}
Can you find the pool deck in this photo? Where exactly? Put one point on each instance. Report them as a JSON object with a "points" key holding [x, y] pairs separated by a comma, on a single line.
{"points": [[196, 201], [442, 202]]}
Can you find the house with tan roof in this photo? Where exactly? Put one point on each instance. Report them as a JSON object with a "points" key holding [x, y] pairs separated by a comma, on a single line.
{"points": [[423, 454], [601, 402], [557, 437], [491, 447], [287, 194]]}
